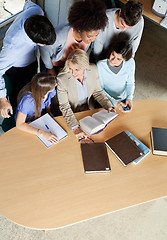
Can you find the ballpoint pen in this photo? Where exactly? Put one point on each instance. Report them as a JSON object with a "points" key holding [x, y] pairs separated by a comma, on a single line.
{"points": [[51, 132], [47, 126]]}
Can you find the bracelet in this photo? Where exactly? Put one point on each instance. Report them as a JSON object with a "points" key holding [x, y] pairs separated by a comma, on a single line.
{"points": [[37, 131]]}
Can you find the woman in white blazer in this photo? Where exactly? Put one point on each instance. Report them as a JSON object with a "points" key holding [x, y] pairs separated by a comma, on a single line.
{"points": [[77, 86]]}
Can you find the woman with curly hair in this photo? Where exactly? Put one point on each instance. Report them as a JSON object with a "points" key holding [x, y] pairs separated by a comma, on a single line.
{"points": [[85, 18]]}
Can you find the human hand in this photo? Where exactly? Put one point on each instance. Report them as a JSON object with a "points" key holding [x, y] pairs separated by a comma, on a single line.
{"points": [[4, 107], [119, 105], [111, 110], [50, 137], [79, 133], [129, 104]]}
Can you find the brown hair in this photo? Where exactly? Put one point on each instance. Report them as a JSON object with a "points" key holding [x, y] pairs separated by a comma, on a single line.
{"points": [[131, 12], [120, 44], [40, 84]]}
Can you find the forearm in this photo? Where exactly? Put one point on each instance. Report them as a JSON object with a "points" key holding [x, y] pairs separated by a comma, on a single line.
{"points": [[47, 135], [69, 116], [51, 71], [2, 88], [101, 98], [27, 128], [130, 91]]}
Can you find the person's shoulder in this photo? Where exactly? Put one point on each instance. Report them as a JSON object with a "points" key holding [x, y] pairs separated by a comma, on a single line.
{"points": [[111, 11], [52, 94], [139, 26], [62, 28], [130, 63], [92, 67], [62, 32], [63, 76], [26, 99], [101, 62], [61, 37], [92, 70], [28, 6]]}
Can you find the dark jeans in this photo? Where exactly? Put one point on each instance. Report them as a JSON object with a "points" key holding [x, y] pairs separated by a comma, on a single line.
{"points": [[19, 77]]}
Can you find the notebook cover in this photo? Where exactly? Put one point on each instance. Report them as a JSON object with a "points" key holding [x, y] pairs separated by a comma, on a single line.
{"points": [[95, 157], [141, 145], [124, 148], [159, 140]]}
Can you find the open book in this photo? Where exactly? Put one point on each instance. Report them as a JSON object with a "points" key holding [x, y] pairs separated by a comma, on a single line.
{"points": [[97, 122], [48, 124]]}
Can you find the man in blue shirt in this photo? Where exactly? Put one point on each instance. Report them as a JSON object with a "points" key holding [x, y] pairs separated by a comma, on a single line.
{"points": [[18, 58]]}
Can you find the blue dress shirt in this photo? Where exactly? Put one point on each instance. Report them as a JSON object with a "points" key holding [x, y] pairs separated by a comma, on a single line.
{"points": [[27, 105], [18, 49], [82, 90]]}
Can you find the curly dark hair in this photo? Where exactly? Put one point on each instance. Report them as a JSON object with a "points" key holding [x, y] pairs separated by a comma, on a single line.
{"points": [[88, 15], [131, 12]]}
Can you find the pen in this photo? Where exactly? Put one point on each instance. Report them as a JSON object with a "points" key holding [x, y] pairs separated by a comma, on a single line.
{"points": [[47, 126], [51, 132], [81, 139]]}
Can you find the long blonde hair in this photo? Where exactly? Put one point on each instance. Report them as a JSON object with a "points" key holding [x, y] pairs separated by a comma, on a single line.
{"points": [[78, 56], [40, 84]]}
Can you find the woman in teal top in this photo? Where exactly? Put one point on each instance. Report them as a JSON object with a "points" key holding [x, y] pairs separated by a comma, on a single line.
{"points": [[116, 73]]}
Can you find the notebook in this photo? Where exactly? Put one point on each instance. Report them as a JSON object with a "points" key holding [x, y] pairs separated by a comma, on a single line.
{"points": [[124, 148], [47, 123], [95, 157], [141, 145], [159, 141]]}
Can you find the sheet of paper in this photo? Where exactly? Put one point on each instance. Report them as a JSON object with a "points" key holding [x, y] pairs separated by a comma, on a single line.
{"points": [[53, 127]]}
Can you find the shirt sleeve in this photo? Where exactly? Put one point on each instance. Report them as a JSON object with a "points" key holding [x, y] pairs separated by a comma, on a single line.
{"points": [[135, 40], [6, 62], [8, 52], [130, 84], [50, 96], [26, 105], [46, 53], [98, 93], [64, 105]]}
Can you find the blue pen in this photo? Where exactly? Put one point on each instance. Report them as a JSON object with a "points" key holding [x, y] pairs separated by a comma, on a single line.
{"points": [[47, 126], [50, 131]]}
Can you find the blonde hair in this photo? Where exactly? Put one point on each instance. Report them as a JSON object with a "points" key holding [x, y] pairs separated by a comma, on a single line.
{"points": [[78, 56]]}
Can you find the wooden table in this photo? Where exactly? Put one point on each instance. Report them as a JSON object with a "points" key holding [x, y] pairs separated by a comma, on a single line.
{"points": [[47, 188], [147, 10]]}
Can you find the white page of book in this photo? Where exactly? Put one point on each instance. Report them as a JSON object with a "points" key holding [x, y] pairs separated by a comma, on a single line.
{"points": [[53, 126], [104, 116], [90, 125]]}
